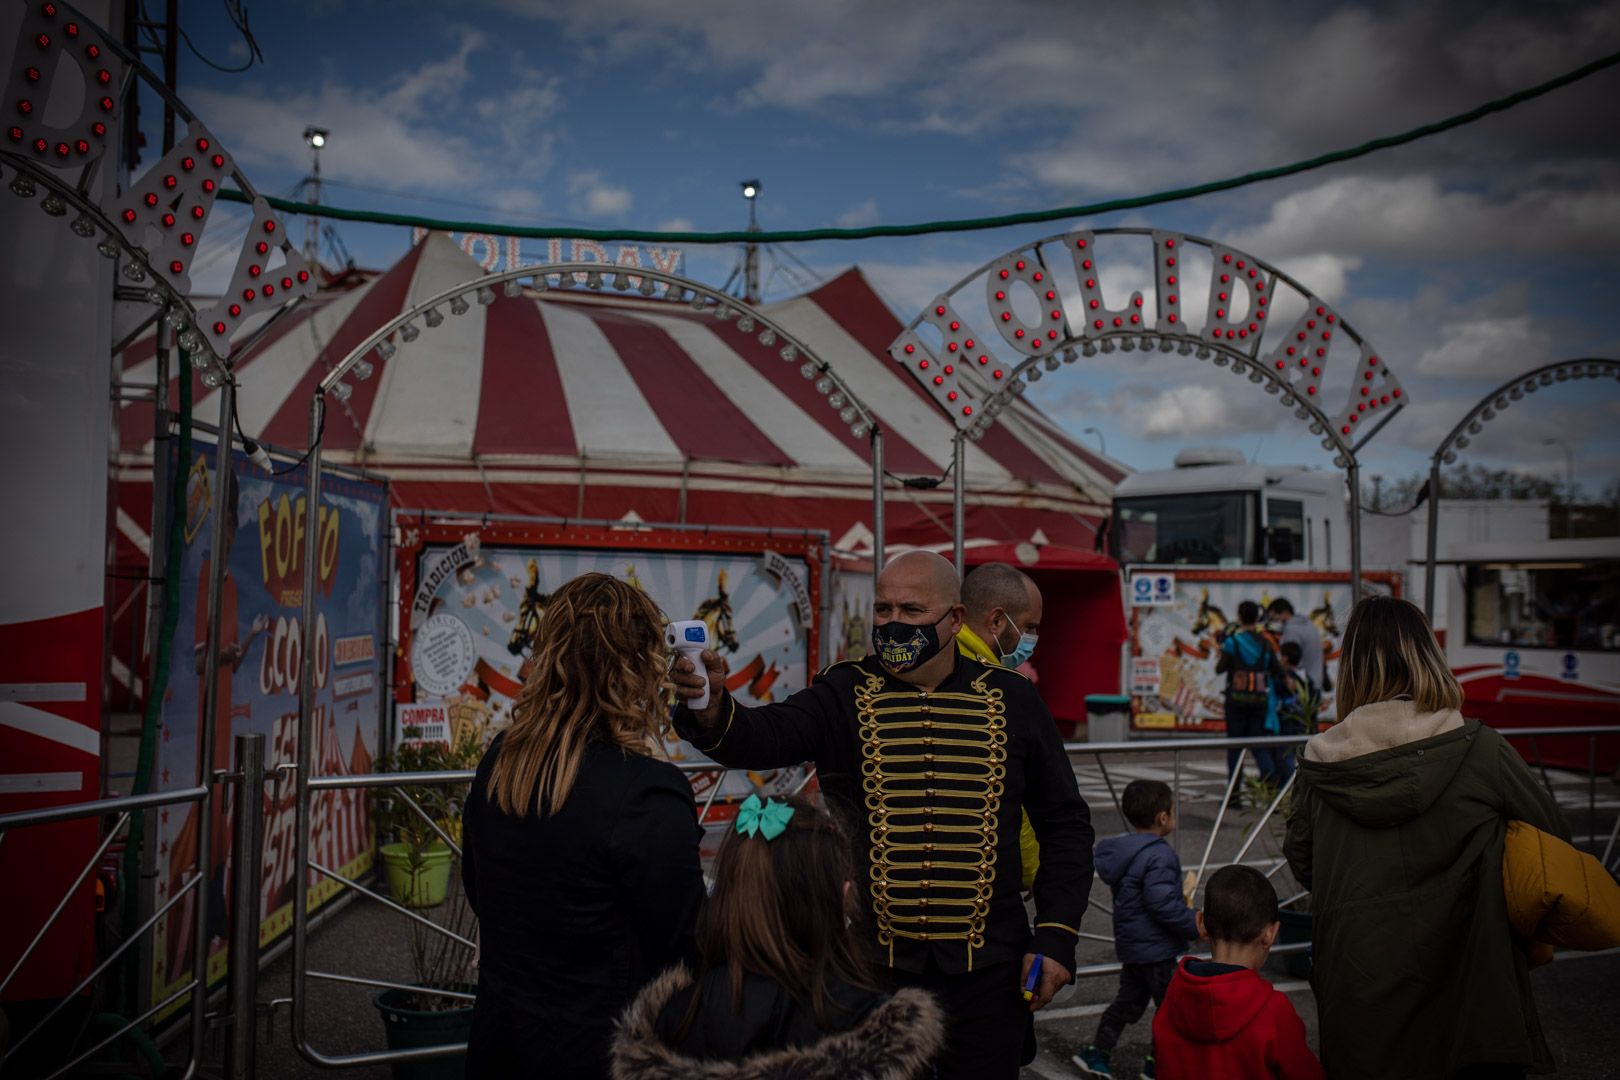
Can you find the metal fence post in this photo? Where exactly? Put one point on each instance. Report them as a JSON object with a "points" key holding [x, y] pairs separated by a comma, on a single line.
{"points": [[878, 522], [306, 728], [246, 873], [206, 728], [959, 502]]}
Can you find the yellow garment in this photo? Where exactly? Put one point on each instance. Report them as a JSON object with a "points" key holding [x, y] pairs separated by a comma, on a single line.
{"points": [[972, 646], [1557, 895]]}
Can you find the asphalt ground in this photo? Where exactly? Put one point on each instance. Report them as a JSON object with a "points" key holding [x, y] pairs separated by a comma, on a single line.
{"points": [[1578, 996]]}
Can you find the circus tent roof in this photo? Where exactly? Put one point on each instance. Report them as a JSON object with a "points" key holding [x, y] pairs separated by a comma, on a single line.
{"points": [[608, 405]]}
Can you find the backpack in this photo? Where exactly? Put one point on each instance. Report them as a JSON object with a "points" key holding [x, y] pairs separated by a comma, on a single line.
{"points": [[1249, 666]]}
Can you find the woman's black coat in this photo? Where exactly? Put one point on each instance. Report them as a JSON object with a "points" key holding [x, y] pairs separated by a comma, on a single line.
{"points": [[577, 910]]}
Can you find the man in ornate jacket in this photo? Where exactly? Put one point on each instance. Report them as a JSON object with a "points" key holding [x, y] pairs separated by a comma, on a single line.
{"points": [[933, 755]]}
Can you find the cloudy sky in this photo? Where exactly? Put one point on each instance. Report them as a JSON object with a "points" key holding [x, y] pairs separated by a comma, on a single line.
{"points": [[1465, 258]]}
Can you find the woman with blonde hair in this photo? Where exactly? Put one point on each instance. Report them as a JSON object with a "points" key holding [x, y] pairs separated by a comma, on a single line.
{"points": [[1396, 827], [580, 841]]}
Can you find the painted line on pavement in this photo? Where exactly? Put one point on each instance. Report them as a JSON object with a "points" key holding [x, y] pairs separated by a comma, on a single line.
{"points": [[1076, 1011]]}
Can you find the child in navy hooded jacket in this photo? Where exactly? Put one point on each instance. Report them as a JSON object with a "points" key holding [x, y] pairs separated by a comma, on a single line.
{"points": [[1152, 922]]}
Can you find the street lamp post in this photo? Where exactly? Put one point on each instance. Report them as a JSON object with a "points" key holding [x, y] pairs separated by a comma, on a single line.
{"points": [[1569, 483], [750, 192], [316, 138], [1102, 443]]}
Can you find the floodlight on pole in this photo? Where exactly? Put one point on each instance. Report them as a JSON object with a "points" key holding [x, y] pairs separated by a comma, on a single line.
{"points": [[750, 192], [316, 138]]}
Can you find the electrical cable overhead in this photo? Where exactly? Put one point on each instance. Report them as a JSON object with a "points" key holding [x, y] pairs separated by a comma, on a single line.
{"points": [[237, 14], [924, 228]]}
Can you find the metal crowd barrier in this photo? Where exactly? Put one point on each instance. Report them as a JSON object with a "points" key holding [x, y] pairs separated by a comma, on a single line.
{"points": [[123, 807], [241, 1002]]}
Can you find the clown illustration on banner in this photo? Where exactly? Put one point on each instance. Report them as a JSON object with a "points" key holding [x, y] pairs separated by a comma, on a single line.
{"points": [[256, 690]]}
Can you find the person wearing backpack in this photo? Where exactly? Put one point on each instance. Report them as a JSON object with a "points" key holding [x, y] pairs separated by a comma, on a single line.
{"points": [[1298, 701], [1250, 664]]}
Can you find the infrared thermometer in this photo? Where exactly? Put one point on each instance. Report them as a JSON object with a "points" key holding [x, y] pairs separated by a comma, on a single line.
{"points": [[688, 638]]}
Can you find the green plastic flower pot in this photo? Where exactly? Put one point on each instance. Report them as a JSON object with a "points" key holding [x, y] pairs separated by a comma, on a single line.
{"points": [[424, 885], [408, 1029]]}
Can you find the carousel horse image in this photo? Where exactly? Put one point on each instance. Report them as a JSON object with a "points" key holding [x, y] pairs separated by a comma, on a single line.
{"points": [[716, 611], [531, 609], [1211, 620], [1323, 617]]}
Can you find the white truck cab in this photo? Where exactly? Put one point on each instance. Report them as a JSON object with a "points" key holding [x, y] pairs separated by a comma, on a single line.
{"points": [[1216, 509]]}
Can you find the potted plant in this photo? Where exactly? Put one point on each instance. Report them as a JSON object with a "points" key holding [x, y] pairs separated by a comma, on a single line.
{"points": [[424, 1015], [415, 857], [422, 873]]}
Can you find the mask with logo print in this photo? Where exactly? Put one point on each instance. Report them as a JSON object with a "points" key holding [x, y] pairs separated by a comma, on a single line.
{"points": [[902, 646]]}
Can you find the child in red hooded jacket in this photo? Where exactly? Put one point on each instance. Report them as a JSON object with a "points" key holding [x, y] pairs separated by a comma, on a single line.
{"points": [[1220, 1020]]}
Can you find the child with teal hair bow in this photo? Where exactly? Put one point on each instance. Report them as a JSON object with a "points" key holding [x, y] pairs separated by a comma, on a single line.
{"points": [[784, 986], [768, 819]]}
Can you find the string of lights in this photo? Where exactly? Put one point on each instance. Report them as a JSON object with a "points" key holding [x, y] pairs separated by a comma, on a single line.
{"points": [[924, 228]]}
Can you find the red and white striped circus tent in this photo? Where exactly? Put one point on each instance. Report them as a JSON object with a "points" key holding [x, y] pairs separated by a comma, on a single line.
{"points": [[607, 406]]}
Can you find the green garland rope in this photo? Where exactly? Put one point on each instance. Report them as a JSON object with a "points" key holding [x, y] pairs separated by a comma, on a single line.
{"points": [[145, 760], [925, 228]]}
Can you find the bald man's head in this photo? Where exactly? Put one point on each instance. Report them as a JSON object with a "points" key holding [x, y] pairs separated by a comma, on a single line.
{"points": [[927, 570], [1003, 604], [918, 587], [997, 585]]}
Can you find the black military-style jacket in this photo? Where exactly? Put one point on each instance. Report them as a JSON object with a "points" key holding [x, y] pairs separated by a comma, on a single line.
{"points": [[934, 783]]}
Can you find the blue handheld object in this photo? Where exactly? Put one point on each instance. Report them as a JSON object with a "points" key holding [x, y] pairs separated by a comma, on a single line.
{"points": [[1033, 980], [695, 633]]}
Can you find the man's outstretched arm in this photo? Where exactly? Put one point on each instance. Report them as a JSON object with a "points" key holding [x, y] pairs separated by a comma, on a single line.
{"points": [[762, 737]]}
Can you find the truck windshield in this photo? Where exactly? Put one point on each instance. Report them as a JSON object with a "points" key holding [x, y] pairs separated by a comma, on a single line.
{"points": [[1214, 528]]}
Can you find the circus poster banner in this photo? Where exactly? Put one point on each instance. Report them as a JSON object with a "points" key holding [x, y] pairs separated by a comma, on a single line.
{"points": [[473, 601], [260, 642], [852, 590], [1174, 644]]}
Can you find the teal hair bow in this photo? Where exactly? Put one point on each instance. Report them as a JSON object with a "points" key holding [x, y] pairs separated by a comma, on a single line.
{"points": [[768, 819]]}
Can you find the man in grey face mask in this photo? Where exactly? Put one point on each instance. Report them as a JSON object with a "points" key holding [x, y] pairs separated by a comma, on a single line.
{"points": [[934, 756]]}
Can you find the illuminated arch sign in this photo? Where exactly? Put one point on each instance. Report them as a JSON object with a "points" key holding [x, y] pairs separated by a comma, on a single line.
{"points": [[1043, 305], [157, 223]]}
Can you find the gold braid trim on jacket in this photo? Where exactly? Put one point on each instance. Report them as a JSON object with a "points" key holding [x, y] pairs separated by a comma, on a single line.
{"points": [[934, 771]]}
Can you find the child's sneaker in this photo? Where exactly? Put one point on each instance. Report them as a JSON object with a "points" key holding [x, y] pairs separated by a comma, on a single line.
{"points": [[1147, 1068], [1093, 1061]]}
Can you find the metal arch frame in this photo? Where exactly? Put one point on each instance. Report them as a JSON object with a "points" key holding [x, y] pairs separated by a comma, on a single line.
{"points": [[1224, 354], [561, 276], [1483, 412], [179, 315], [77, 195]]}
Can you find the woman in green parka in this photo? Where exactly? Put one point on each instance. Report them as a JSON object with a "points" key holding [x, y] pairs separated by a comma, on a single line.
{"points": [[1396, 827]]}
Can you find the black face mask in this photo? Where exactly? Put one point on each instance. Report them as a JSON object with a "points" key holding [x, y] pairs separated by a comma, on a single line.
{"points": [[901, 646]]}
